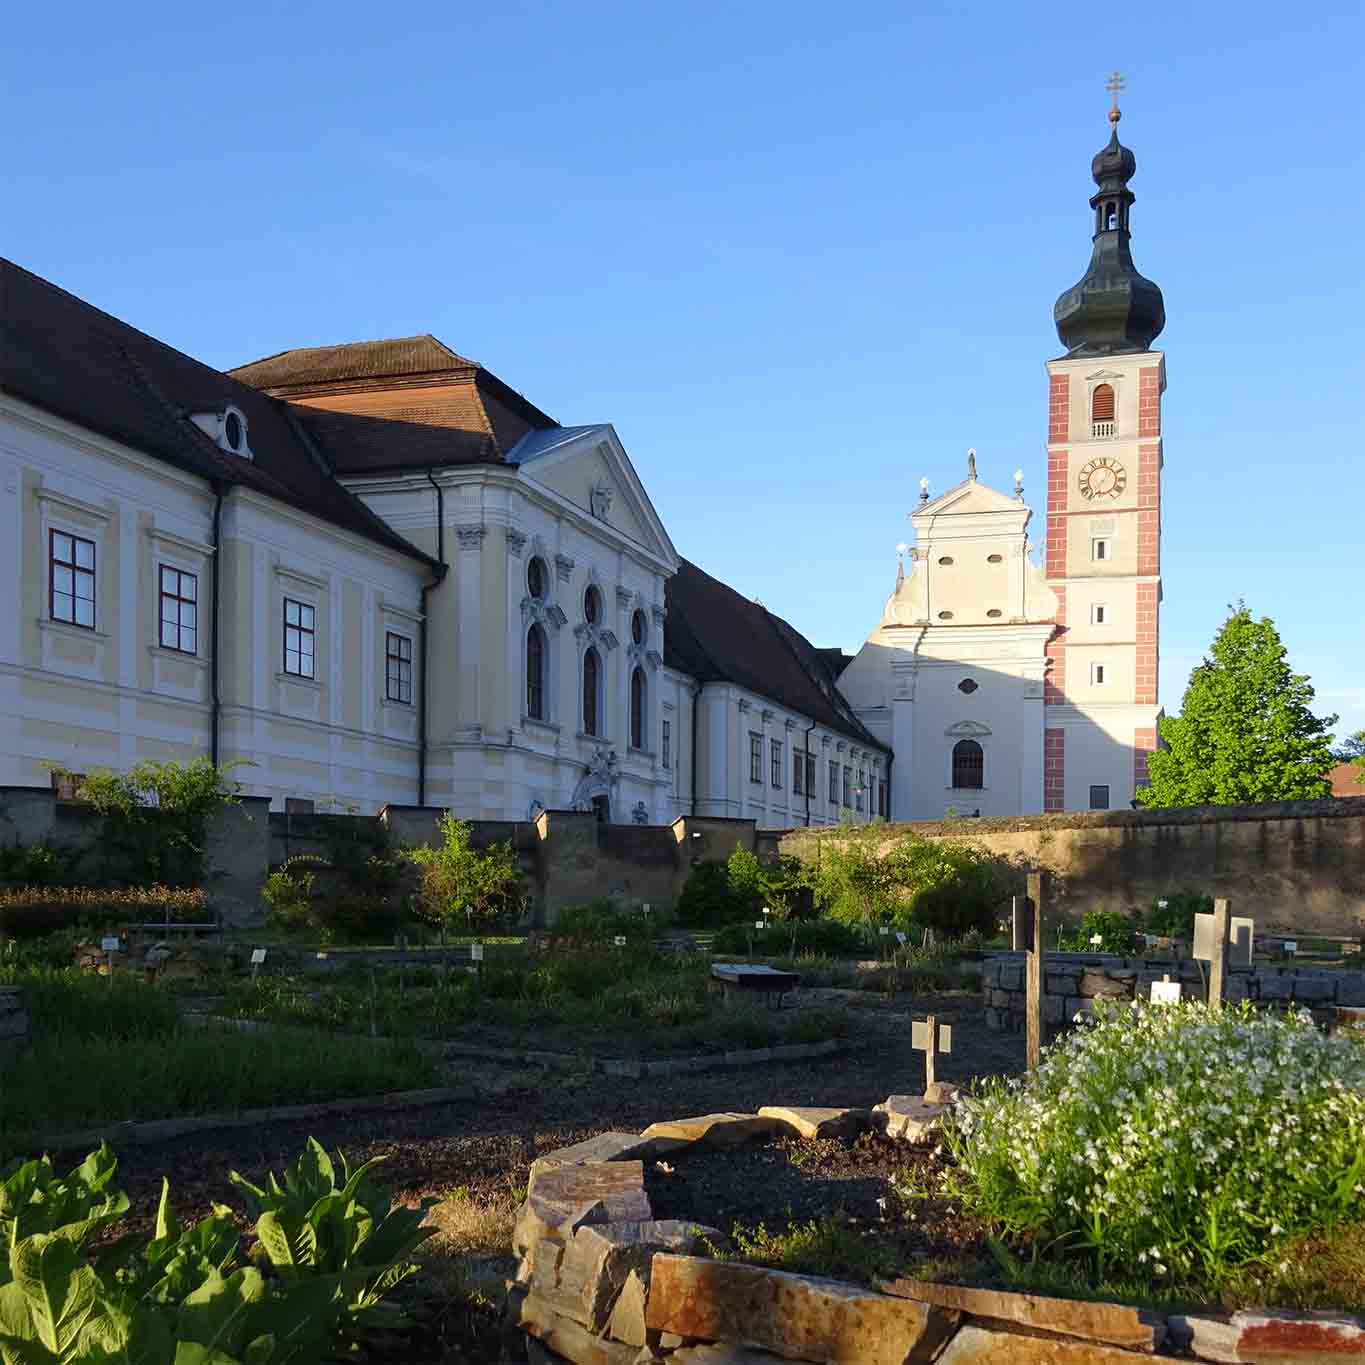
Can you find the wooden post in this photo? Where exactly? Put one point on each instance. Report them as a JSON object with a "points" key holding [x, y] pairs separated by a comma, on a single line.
{"points": [[1033, 984], [1218, 964], [929, 1077]]}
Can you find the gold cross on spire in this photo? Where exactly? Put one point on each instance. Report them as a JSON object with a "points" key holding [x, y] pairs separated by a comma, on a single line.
{"points": [[1115, 85]]}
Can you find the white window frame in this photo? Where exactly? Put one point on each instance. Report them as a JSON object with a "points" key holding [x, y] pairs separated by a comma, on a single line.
{"points": [[1098, 612], [311, 630], [1097, 675], [1099, 550]]}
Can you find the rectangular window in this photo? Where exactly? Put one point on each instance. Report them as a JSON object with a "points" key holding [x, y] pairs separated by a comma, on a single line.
{"points": [[300, 636], [1097, 614], [1099, 798], [298, 805], [848, 785], [810, 774], [666, 744], [858, 790], [1097, 674], [1099, 549], [833, 782], [777, 762], [883, 801], [398, 668], [179, 610], [71, 577], [756, 758], [798, 771]]}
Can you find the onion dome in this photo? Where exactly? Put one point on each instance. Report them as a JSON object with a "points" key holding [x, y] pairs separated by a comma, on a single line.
{"points": [[1112, 309]]}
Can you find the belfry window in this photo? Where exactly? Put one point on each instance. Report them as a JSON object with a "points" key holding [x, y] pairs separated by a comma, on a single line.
{"points": [[969, 764], [1102, 410]]}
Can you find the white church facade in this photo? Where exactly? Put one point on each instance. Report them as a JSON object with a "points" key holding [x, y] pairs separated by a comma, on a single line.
{"points": [[376, 574]]}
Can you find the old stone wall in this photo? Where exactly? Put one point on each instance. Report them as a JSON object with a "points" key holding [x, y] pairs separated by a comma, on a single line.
{"points": [[1072, 982], [1292, 866]]}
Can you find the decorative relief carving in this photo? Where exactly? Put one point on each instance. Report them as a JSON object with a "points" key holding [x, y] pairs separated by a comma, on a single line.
{"points": [[600, 497], [768, 714], [624, 598], [564, 567], [546, 613], [592, 633], [658, 615], [744, 705], [470, 537], [972, 729], [516, 540], [791, 724]]}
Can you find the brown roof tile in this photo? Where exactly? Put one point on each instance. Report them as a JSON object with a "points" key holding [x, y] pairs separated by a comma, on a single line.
{"points": [[388, 359]]}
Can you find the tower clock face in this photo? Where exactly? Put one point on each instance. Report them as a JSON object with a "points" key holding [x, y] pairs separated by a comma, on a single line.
{"points": [[1102, 478]]}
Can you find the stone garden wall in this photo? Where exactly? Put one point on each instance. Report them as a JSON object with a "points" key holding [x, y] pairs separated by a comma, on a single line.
{"points": [[1296, 866], [1073, 981]]}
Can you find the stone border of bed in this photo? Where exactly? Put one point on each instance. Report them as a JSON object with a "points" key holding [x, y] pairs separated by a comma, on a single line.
{"points": [[600, 1281]]}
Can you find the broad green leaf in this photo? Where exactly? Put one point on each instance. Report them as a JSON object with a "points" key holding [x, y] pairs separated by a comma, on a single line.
{"points": [[192, 1353], [287, 1248], [215, 1314], [116, 1335], [166, 1225], [58, 1286]]}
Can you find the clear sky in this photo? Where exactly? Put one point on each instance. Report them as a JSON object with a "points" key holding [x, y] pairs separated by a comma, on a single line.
{"points": [[799, 254]]}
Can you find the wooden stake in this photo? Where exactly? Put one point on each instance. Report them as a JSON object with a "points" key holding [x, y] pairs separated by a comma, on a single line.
{"points": [[1218, 965], [1033, 986]]}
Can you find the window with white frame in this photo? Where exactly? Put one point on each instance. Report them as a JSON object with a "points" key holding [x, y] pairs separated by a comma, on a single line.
{"points": [[777, 762], [398, 667], [666, 744], [535, 672], [178, 609], [755, 758], [71, 579], [833, 782], [848, 785], [798, 772], [1099, 549], [592, 691], [810, 774], [1098, 614], [300, 638], [1097, 674]]}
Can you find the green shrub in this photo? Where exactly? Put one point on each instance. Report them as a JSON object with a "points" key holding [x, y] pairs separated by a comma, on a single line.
{"points": [[1117, 933], [31, 911], [1171, 1144], [603, 921], [324, 1257], [1172, 916], [310, 895], [30, 865], [824, 937], [464, 889], [705, 901]]}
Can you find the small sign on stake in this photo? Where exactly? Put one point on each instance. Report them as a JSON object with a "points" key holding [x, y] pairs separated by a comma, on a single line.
{"points": [[900, 937], [1291, 947], [620, 940], [1096, 940], [257, 956], [884, 931], [760, 924], [930, 1037], [1165, 992], [109, 945], [476, 952]]}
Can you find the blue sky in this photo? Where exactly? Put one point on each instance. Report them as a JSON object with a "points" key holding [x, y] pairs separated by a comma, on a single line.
{"points": [[799, 255]]}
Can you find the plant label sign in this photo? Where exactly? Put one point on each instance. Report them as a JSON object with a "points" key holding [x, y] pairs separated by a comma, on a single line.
{"points": [[1096, 940], [760, 924], [900, 937], [919, 1036], [1165, 992], [476, 952], [109, 945], [257, 956], [620, 940], [1239, 940], [884, 932], [1291, 946]]}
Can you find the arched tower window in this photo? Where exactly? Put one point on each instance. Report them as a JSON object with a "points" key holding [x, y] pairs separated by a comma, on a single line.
{"points": [[637, 709], [535, 673], [592, 686], [969, 764], [1102, 410]]}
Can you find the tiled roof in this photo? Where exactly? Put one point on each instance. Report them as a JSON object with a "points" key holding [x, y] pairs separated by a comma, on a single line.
{"points": [[389, 359], [1345, 779], [718, 636], [70, 359]]}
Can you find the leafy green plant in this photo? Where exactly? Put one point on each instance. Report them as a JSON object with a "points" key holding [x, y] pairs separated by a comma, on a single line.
{"points": [[288, 892], [825, 937], [1172, 916], [602, 922], [180, 1297], [464, 888], [1117, 934], [1171, 1144], [30, 865]]}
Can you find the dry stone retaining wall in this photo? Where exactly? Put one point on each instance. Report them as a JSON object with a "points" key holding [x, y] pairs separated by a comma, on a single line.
{"points": [[13, 1023], [1073, 981]]}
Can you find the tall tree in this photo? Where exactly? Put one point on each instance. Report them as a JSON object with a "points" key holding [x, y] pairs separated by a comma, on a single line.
{"points": [[1245, 732]]}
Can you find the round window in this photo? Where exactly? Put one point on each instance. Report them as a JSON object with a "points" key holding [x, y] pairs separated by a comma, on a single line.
{"points": [[945, 560], [535, 579], [592, 606], [945, 616], [637, 627], [232, 430], [995, 559], [994, 612], [968, 685]]}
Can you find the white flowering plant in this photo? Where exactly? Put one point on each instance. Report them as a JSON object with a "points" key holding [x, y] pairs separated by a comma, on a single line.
{"points": [[1173, 1144]]}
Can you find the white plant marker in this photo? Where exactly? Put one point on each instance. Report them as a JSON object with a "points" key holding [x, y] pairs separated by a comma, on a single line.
{"points": [[1165, 991]]}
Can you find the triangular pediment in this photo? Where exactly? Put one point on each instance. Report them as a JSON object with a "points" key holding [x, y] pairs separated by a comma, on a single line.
{"points": [[588, 467], [970, 496]]}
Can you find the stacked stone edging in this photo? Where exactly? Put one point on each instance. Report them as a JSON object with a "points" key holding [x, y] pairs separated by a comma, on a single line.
{"points": [[14, 1026], [601, 1282], [1072, 982]]}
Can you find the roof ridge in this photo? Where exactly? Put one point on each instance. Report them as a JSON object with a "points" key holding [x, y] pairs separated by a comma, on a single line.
{"points": [[364, 341]]}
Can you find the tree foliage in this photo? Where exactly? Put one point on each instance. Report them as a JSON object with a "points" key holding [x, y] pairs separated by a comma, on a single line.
{"points": [[461, 886], [1245, 731]]}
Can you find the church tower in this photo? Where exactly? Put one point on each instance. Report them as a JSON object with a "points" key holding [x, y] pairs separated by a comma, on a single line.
{"points": [[1103, 557]]}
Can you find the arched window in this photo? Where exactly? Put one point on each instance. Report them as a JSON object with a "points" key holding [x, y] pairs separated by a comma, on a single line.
{"points": [[969, 764], [592, 674], [536, 578], [637, 627], [535, 673], [592, 606], [637, 709], [1102, 410]]}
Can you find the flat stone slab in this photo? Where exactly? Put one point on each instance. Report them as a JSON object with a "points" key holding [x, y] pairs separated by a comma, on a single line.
{"points": [[722, 1353], [1113, 1323], [797, 1317], [975, 1345], [808, 1122], [605, 1147], [565, 1337], [1276, 1338], [564, 1198], [747, 976], [714, 1130], [911, 1118]]}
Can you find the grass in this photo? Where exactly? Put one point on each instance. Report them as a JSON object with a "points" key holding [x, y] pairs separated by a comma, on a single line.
{"points": [[827, 1246], [106, 1050]]}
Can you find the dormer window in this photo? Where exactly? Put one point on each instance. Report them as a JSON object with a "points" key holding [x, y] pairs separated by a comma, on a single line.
{"points": [[227, 429]]}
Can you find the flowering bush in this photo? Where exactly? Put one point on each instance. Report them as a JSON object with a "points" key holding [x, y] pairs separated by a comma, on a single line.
{"points": [[1174, 1143]]}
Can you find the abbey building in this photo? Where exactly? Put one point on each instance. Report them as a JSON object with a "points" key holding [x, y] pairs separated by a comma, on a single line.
{"points": [[377, 574]]}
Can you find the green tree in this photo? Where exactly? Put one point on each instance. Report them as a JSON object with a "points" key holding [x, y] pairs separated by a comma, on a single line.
{"points": [[1245, 732], [460, 885]]}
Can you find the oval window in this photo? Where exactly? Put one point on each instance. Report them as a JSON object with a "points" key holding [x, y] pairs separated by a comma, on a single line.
{"points": [[946, 560], [232, 430], [945, 616], [995, 559], [994, 612], [968, 685], [637, 629], [592, 606], [535, 579]]}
